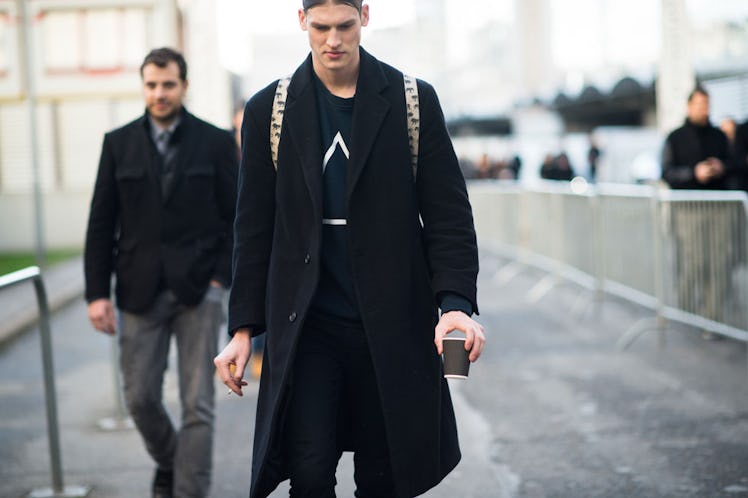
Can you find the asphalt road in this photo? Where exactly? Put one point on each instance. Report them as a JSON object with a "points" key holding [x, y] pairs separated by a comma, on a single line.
{"points": [[552, 409]]}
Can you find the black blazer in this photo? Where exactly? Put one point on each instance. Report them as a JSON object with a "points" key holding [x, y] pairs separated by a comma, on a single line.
{"points": [[399, 267], [182, 240]]}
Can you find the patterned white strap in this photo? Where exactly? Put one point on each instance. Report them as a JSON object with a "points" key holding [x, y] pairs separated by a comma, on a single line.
{"points": [[414, 119], [276, 117], [411, 104]]}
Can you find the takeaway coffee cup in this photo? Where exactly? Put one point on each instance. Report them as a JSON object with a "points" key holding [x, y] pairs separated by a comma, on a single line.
{"points": [[456, 362]]}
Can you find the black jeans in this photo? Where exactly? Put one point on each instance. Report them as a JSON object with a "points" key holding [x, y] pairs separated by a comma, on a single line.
{"points": [[334, 390]]}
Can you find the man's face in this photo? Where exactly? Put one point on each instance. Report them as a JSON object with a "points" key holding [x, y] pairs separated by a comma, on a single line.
{"points": [[698, 109], [334, 33], [163, 92]]}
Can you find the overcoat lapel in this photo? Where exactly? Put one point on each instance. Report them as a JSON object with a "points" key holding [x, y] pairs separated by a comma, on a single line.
{"points": [[302, 123], [369, 111]]}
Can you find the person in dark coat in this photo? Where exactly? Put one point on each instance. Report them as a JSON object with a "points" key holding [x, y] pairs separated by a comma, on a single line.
{"points": [[557, 168], [344, 259], [740, 175], [160, 220], [695, 156]]}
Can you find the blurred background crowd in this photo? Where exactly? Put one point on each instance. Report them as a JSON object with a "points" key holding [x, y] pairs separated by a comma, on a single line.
{"points": [[531, 89]]}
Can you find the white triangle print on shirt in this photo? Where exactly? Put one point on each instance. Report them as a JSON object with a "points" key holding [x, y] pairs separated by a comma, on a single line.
{"points": [[338, 140]]}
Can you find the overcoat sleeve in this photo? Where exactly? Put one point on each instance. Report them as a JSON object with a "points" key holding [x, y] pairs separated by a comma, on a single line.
{"points": [[255, 214], [448, 231]]}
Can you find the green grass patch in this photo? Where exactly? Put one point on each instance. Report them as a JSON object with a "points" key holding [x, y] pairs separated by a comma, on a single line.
{"points": [[13, 261]]}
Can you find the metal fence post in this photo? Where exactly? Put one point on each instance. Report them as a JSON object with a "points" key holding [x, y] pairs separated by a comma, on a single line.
{"points": [[58, 489], [659, 258], [601, 250], [121, 420]]}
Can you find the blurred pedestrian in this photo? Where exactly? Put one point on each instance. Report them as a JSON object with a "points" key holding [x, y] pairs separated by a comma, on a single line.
{"points": [[593, 157], [486, 168], [729, 128], [342, 258], [556, 168], [161, 221], [735, 179], [695, 155], [741, 156], [515, 165]]}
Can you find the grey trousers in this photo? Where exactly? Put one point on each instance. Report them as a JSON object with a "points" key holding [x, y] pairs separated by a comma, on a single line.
{"points": [[144, 341]]}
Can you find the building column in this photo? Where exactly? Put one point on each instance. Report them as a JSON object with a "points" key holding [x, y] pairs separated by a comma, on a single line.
{"points": [[676, 76]]}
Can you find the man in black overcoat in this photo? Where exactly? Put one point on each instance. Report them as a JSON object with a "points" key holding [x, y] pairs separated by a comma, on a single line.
{"points": [[345, 260], [695, 156], [161, 220]]}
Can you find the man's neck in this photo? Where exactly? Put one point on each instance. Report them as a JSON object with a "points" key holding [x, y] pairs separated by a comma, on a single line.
{"points": [[341, 83], [168, 124], [698, 124]]}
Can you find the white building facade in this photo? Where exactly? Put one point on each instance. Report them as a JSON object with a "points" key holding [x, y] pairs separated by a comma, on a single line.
{"points": [[85, 59]]}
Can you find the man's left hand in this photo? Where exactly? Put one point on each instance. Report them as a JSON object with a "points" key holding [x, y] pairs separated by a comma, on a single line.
{"points": [[475, 338]]}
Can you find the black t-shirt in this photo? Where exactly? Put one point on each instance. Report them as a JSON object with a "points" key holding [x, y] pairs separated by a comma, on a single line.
{"points": [[335, 293]]}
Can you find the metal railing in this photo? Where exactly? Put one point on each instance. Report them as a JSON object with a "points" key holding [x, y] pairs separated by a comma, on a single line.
{"points": [[682, 254], [58, 489]]}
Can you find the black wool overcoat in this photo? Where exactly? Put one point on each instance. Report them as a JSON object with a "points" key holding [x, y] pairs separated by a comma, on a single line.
{"points": [[409, 241]]}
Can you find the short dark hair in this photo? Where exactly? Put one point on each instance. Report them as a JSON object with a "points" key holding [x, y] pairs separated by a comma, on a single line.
{"points": [[308, 4], [697, 90], [161, 57]]}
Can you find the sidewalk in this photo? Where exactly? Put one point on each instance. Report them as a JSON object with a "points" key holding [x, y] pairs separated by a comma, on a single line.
{"points": [[19, 309], [551, 410]]}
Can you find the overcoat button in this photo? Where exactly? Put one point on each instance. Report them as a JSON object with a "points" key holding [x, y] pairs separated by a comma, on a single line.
{"points": [[292, 317], [307, 259]]}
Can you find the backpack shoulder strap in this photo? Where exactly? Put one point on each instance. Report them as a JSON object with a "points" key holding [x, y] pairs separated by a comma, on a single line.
{"points": [[413, 116], [276, 117], [414, 119]]}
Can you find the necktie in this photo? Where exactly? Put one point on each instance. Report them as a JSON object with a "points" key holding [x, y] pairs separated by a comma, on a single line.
{"points": [[168, 154], [162, 142]]}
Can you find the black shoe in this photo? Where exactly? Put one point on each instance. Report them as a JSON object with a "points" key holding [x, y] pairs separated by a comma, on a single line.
{"points": [[163, 483]]}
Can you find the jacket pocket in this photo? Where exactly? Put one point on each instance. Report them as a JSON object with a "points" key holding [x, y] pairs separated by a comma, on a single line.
{"points": [[199, 181], [130, 183]]}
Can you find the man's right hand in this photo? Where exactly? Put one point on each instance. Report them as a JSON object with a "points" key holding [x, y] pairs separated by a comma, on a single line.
{"points": [[101, 314], [231, 361], [708, 170]]}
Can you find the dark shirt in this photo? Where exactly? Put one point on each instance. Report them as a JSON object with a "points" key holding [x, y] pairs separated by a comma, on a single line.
{"points": [[335, 292]]}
